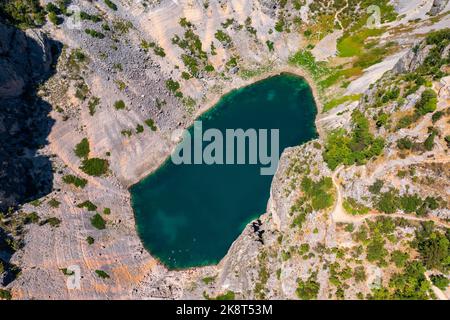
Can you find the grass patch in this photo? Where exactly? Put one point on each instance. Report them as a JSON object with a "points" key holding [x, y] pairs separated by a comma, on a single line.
{"points": [[338, 101], [353, 44]]}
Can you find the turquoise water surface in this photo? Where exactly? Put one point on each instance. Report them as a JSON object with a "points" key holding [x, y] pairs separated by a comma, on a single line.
{"points": [[189, 215]]}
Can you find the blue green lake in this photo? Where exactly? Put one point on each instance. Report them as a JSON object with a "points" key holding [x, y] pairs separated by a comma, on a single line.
{"points": [[189, 215]]}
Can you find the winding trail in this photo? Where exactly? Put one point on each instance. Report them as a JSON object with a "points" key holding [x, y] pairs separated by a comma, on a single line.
{"points": [[339, 215]]}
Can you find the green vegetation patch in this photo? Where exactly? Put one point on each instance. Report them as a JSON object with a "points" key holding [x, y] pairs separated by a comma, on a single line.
{"points": [[95, 166], [98, 222], [338, 101], [350, 45], [356, 147], [88, 205], [76, 181], [82, 149], [309, 289], [102, 274]]}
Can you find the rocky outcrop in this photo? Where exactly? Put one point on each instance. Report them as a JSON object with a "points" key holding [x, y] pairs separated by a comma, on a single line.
{"points": [[438, 6], [25, 61]]}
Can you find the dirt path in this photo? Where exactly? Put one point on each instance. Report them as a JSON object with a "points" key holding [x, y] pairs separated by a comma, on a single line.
{"points": [[339, 215]]}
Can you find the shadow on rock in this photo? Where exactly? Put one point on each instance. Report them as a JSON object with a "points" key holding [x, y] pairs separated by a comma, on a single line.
{"points": [[27, 58]]}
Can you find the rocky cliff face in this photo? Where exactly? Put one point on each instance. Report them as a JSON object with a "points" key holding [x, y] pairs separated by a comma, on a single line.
{"points": [[26, 59]]}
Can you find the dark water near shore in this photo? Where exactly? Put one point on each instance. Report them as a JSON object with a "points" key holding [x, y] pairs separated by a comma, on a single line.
{"points": [[189, 215]]}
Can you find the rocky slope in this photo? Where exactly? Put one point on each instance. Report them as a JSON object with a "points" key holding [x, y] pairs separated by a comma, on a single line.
{"points": [[131, 74]]}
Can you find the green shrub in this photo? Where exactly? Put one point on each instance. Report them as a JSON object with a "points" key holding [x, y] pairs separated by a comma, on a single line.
{"points": [[77, 182], [23, 13], [429, 142], [410, 203], [433, 247], [388, 202], [91, 17], [92, 104], [5, 294], [54, 222], [399, 258], [376, 251], [119, 105], [440, 281], [102, 274], [427, 102], [54, 203], [95, 166], [229, 295], [88, 205], [437, 116], [82, 149], [172, 85], [93, 33], [53, 17], [358, 146], [209, 280], [375, 188], [31, 218], [98, 222], [318, 192], [107, 211], [354, 207], [139, 128], [308, 290], [404, 143], [111, 4], [90, 240]]}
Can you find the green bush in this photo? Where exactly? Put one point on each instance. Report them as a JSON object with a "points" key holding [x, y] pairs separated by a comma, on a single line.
{"points": [[355, 147], [404, 143], [31, 218], [98, 222], [90, 240], [437, 116], [309, 289], [5, 294], [54, 18], [433, 247], [77, 182], [95, 166], [111, 5], [102, 274], [376, 251], [151, 123], [119, 105], [388, 202], [440, 281], [429, 142], [399, 258], [172, 85], [318, 192], [427, 102], [54, 203], [54, 222], [93, 33], [82, 149], [88, 205], [23, 13]]}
